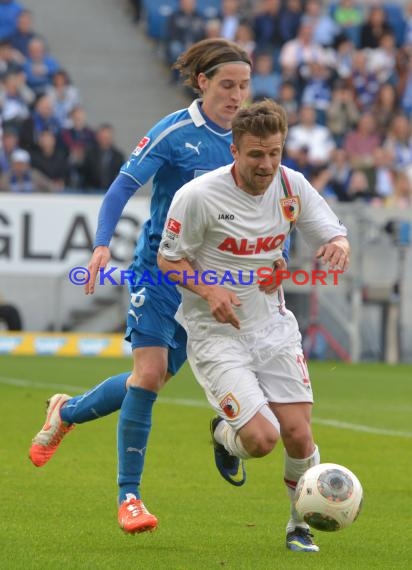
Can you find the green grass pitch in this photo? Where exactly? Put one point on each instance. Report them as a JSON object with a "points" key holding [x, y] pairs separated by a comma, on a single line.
{"points": [[64, 515]]}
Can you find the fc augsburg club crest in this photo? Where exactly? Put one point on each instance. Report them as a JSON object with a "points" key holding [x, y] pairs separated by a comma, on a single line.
{"points": [[290, 208], [230, 406]]}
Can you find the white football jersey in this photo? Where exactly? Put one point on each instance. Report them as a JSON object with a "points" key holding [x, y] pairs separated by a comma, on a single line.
{"points": [[229, 235]]}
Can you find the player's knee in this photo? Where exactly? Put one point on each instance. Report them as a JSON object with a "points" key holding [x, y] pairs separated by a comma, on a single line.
{"points": [[261, 444], [152, 380], [298, 436]]}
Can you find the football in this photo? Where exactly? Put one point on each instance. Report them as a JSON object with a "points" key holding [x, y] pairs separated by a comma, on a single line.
{"points": [[328, 497]]}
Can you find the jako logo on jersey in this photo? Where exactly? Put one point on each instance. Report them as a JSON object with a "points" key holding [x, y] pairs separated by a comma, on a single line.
{"points": [[230, 406], [193, 147], [290, 208], [245, 247], [141, 145], [226, 217], [174, 226]]}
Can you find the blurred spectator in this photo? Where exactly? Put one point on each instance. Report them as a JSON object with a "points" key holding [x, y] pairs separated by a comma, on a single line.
{"points": [[265, 82], [342, 114], [408, 24], [375, 25], [385, 107], [402, 193], [64, 97], [245, 38], [364, 82], [361, 142], [301, 51], [103, 161], [399, 143], [22, 178], [325, 29], [299, 161], [10, 142], [77, 139], [382, 59], [212, 28], [359, 186], [290, 19], [289, 100], [404, 84], [246, 9], [39, 66], [24, 33], [348, 14], [384, 179], [185, 26], [229, 15], [11, 61], [320, 179], [50, 160], [344, 48], [317, 90], [41, 119], [9, 12], [340, 173], [308, 134], [266, 25], [14, 108]]}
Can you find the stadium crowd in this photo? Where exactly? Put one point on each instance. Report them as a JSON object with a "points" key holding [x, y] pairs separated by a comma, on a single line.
{"points": [[46, 144], [343, 72]]}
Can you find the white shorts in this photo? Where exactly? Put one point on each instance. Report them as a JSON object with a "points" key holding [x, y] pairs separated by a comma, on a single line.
{"points": [[241, 373]]}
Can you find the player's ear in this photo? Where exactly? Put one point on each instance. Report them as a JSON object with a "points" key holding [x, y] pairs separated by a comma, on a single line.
{"points": [[234, 150], [202, 81]]}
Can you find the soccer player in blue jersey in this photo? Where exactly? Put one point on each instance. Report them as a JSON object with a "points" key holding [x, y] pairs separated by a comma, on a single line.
{"points": [[178, 148]]}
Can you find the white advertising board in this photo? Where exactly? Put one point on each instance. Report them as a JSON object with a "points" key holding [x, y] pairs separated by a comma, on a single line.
{"points": [[46, 235]]}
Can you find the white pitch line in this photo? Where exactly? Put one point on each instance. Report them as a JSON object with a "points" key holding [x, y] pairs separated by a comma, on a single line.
{"points": [[24, 383]]}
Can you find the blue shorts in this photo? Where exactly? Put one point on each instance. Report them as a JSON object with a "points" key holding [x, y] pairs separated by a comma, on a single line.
{"points": [[151, 322]]}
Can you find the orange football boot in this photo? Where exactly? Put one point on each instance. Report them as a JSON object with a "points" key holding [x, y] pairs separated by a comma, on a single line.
{"points": [[134, 517], [45, 443]]}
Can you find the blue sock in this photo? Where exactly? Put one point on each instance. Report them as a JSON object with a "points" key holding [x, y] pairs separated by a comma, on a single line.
{"points": [[100, 401], [133, 431]]}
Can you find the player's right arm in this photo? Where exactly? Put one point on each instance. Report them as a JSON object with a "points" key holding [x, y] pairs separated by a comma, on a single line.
{"points": [[183, 236], [220, 300], [146, 159], [111, 209]]}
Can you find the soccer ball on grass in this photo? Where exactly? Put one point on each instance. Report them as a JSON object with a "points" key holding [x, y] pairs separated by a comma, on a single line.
{"points": [[328, 497]]}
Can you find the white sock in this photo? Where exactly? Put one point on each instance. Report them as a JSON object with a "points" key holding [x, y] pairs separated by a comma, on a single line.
{"points": [[226, 435], [294, 469]]}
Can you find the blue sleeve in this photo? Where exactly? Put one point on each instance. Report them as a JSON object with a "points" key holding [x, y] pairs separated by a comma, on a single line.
{"points": [[116, 198], [286, 248]]}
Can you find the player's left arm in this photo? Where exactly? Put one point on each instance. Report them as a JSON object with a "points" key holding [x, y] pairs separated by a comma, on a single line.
{"points": [[336, 253]]}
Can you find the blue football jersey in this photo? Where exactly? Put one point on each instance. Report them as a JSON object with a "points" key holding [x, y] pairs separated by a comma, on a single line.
{"points": [[181, 146]]}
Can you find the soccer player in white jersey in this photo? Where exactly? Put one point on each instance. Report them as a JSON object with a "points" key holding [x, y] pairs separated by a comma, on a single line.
{"points": [[244, 346]]}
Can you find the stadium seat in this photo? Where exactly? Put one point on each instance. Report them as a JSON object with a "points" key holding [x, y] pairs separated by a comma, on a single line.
{"points": [[157, 14], [396, 19]]}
